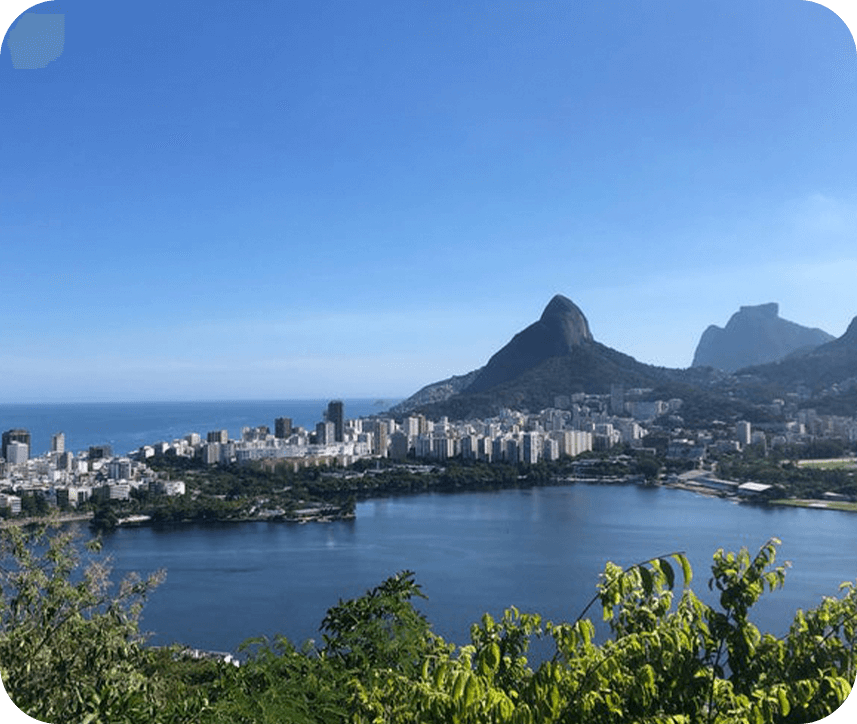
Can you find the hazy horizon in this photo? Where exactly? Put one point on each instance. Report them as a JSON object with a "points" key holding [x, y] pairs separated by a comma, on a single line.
{"points": [[211, 201]]}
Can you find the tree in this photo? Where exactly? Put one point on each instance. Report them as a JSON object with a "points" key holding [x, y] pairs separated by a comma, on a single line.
{"points": [[70, 651], [380, 630], [104, 518], [647, 466], [688, 663]]}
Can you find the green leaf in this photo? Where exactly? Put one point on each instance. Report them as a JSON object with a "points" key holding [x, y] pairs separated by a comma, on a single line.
{"points": [[646, 576], [784, 702], [554, 698], [686, 570], [458, 686], [668, 572], [471, 691], [440, 674], [608, 613], [493, 655]]}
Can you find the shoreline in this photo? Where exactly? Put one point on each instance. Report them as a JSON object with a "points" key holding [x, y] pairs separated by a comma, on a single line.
{"points": [[816, 504], [58, 518], [327, 516]]}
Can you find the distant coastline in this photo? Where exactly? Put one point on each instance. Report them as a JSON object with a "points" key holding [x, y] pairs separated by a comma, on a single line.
{"points": [[128, 425]]}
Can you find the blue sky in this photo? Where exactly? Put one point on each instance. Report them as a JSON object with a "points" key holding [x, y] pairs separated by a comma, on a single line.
{"points": [[229, 200]]}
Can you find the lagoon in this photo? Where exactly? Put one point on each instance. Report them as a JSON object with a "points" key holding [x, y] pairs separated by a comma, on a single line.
{"points": [[540, 549]]}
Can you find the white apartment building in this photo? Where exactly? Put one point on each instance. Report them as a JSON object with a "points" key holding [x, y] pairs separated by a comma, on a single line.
{"points": [[572, 442], [630, 430], [443, 447], [58, 443], [119, 469], [485, 448], [647, 410], [17, 452], [114, 491], [73, 495], [550, 449], [167, 487], [12, 502], [211, 453], [531, 448]]}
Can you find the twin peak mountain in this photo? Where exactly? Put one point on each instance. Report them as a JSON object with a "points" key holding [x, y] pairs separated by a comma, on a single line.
{"points": [[557, 355]]}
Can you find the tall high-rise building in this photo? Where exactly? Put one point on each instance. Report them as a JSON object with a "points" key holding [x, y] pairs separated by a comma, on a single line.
{"points": [[58, 443], [744, 432], [399, 446], [617, 399], [100, 452], [379, 438], [17, 452], [282, 427], [219, 436], [336, 415], [531, 450], [411, 426], [325, 433], [17, 435], [211, 453]]}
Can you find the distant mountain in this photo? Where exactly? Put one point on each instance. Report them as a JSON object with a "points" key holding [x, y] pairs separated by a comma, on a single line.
{"points": [[827, 364], [561, 329], [556, 355], [435, 392], [753, 336]]}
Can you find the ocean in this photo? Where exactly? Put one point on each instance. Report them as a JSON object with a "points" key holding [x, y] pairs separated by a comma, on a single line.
{"points": [[128, 425]]}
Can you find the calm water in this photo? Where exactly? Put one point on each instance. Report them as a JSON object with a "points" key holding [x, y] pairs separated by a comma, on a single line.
{"points": [[539, 549], [128, 425]]}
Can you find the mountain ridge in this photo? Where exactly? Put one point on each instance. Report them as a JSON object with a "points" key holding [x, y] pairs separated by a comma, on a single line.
{"points": [[754, 335], [557, 356], [825, 365]]}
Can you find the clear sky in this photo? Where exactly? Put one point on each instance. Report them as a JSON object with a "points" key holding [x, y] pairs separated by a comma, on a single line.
{"points": [[218, 199]]}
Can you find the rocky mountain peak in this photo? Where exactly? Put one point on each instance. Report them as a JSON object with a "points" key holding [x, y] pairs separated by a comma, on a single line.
{"points": [[755, 335], [565, 322], [847, 341], [770, 310], [560, 330]]}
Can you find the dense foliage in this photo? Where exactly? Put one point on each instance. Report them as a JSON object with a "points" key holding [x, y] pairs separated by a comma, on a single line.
{"points": [[69, 652], [789, 477]]}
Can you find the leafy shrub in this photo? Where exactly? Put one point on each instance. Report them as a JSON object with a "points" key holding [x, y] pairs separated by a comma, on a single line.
{"points": [[71, 652]]}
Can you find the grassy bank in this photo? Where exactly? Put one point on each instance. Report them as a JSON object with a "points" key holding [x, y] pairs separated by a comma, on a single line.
{"points": [[813, 503]]}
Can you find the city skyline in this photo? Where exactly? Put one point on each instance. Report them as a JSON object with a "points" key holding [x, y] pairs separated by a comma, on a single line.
{"points": [[206, 203]]}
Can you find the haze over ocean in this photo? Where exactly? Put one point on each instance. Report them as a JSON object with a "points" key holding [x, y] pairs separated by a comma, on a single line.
{"points": [[128, 425]]}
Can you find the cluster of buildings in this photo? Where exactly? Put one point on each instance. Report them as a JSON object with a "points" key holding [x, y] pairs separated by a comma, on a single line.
{"points": [[804, 427], [576, 424], [510, 437], [63, 479]]}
